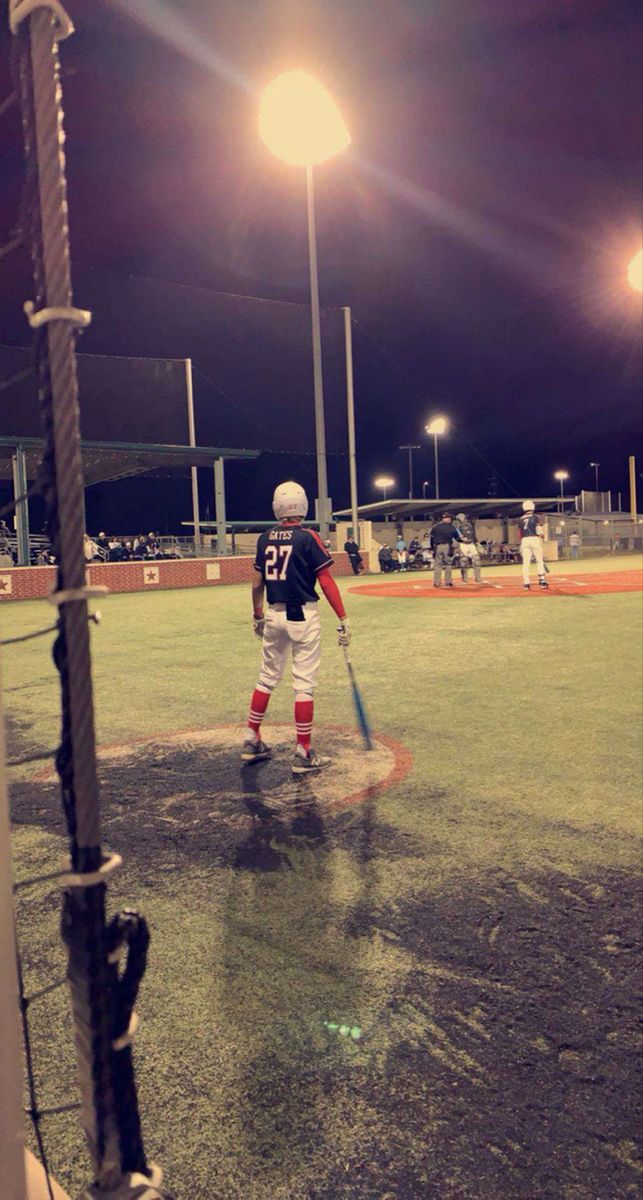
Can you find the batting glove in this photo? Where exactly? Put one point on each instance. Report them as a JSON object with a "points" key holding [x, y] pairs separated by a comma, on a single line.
{"points": [[259, 624], [344, 633]]}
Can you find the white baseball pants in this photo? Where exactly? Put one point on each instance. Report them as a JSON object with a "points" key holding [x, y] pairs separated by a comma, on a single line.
{"points": [[531, 547], [303, 638], [470, 550]]}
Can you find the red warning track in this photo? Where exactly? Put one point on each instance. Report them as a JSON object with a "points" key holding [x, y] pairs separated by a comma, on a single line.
{"points": [[506, 586]]}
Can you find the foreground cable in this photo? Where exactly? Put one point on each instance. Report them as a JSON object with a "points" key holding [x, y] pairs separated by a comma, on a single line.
{"points": [[106, 960]]}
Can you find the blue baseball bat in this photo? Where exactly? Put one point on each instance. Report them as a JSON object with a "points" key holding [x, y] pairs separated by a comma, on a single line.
{"points": [[360, 711]]}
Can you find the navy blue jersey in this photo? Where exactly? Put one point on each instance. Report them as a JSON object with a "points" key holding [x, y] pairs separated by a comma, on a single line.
{"points": [[444, 533], [529, 525], [290, 558]]}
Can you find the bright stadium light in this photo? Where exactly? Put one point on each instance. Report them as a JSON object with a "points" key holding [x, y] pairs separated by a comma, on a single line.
{"points": [[436, 427], [635, 272], [384, 482], [301, 124], [561, 476]]}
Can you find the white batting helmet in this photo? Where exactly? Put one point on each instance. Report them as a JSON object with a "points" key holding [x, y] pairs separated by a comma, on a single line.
{"points": [[528, 506], [289, 500]]}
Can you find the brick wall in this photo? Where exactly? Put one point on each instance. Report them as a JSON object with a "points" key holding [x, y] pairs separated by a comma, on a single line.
{"points": [[34, 583]]}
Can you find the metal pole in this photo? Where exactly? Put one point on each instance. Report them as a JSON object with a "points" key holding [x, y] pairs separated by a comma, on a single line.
{"points": [[350, 401], [193, 470], [320, 427], [219, 505], [19, 464], [437, 475], [632, 463], [596, 466]]}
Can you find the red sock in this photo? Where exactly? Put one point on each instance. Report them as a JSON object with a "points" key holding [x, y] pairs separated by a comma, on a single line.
{"points": [[304, 722], [258, 706]]}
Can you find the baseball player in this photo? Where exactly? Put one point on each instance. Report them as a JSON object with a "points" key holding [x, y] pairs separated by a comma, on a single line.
{"points": [[531, 544], [468, 547], [443, 536], [289, 562]]}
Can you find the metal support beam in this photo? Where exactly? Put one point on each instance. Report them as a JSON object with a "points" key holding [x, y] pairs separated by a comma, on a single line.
{"points": [[193, 470], [19, 463], [350, 401], [219, 504]]}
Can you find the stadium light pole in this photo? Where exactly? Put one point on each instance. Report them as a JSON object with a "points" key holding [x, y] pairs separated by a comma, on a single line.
{"points": [[384, 482], [436, 427], [561, 476], [425, 485], [410, 450], [595, 466], [301, 124], [635, 272]]}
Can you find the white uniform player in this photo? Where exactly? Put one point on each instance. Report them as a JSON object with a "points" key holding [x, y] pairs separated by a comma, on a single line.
{"points": [[289, 562], [531, 545]]}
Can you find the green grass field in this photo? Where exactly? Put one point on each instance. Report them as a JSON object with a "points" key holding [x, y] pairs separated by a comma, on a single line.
{"points": [[428, 994]]}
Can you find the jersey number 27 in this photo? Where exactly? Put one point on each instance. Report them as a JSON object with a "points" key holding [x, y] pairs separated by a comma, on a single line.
{"points": [[277, 559]]}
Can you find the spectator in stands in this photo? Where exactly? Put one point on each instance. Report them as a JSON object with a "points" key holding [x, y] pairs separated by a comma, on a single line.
{"points": [[6, 556], [574, 544], [414, 546], [153, 547], [128, 551], [102, 541], [140, 546], [385, 559], [352, 550], [90, 549], [402, 556]]}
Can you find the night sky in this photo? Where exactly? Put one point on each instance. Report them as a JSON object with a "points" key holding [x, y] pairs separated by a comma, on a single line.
{"points": [[480, 228]]}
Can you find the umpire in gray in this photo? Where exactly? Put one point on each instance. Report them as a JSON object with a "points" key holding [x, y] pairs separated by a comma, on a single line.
{"points": [[443, 535]]}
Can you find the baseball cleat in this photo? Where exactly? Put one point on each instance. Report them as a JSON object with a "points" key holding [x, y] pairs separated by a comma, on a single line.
{"points": [[448, 585], [254, 752], [304, 764], [526, 587], [542, 582]]}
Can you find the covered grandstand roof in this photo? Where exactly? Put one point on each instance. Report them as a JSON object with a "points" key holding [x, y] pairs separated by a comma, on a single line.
{"points": [[107, 461], [486, 506]]}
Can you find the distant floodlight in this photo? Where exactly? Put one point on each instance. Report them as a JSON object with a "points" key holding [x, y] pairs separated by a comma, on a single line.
{"points": [[561, 474], [300, 122], [635, 272], [384, 481], [437, 425]]}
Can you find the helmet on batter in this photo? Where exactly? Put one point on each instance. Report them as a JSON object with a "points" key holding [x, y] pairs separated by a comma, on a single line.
{"points": [[528, 506], [289, 500], [446, 517], [460, 516]]}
